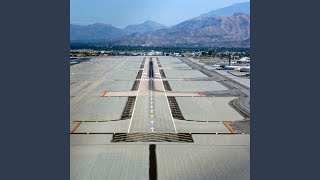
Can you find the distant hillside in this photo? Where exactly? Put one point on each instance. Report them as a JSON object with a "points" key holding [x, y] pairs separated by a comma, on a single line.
{"points": [[147, 26], [107, 32], [228, 31], [96, 31], [230, 10]]}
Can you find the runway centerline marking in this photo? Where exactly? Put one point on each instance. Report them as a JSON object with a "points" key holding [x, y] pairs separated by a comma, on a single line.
{"points": [[151, 97]]}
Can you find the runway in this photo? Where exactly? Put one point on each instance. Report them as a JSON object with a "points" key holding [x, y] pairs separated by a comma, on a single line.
{"points": [[152, 112], [137, 117]]}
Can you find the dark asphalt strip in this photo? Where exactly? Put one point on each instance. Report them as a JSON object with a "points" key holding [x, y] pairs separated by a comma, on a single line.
{"points": [[152, 162], [151, 70], [151, 75]]}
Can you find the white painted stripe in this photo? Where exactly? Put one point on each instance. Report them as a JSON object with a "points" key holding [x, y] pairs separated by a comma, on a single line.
{"points": [[174, 125], [134, 107]]}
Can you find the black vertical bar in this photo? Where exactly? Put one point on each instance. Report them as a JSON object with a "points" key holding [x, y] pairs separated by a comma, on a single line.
{"points": [[150, 69], [152, 162]]}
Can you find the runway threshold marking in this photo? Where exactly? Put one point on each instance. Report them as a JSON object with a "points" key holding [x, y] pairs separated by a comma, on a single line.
{"points": [[134, 107]]}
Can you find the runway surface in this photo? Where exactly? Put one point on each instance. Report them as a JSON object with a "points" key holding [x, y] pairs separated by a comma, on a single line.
{"points": [[155, 118]]}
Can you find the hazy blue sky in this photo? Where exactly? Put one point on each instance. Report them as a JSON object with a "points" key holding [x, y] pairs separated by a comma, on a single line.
{"points": [[124, 12]]}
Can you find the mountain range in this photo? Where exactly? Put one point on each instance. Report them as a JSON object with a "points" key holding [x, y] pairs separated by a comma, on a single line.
{"points": [[147, 26], [227, 27], [99, 31], [230, 10]]}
